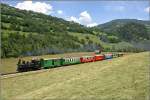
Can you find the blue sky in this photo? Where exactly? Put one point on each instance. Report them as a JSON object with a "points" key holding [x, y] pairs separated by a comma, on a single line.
{"points": [[88, 13]]}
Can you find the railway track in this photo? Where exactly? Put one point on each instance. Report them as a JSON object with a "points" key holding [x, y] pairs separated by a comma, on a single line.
{"points": [[8, 73], [17, 74]]}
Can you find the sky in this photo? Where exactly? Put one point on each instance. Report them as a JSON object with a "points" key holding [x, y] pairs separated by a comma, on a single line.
{"points": [[88, 13]]}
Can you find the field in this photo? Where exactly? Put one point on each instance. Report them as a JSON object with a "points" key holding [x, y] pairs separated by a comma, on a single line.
{"points": [[124, 78]]}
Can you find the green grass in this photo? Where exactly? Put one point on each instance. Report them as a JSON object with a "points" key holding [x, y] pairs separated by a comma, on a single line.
{"points": [[7, 32], [91, 37], [124, 78]]}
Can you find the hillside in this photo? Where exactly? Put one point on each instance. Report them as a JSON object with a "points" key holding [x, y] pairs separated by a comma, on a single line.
{"points": [[116, 79], [112, 26], [39, 34], [136, 32], [26, 33], [127, 29]]}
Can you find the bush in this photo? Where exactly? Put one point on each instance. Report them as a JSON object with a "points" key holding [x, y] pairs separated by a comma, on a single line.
{"points": [[113, 39]]}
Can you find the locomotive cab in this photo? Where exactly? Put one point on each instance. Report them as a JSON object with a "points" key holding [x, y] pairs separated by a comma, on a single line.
{"points": [[28, 65]]}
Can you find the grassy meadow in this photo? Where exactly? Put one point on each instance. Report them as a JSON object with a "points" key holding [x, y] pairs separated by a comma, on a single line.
{"points": [[124, 78]]}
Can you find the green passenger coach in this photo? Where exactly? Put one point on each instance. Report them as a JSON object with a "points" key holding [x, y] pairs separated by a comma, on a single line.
{"points": [[57, 62], [50, 63], [46, 63], [71, 60]]}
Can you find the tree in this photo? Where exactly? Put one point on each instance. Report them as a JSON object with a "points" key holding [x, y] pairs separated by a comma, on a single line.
{"points": [[133, 31], [113, 39]]}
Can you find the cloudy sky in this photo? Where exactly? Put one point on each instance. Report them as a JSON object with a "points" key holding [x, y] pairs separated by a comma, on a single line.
{"points": [[89, 13]]}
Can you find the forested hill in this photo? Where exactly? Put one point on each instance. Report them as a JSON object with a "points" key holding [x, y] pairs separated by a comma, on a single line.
{"points": [[37, 22], [29, 33], [127, 29]]}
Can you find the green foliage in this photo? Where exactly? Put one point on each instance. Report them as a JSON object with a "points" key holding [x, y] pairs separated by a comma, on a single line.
{"points": [[127, 29], [133, 31], [113, 39], [104, 37], [51, 35], [37, 22], [17, 44]]}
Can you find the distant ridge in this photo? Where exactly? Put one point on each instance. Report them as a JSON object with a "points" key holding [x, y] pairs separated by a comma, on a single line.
{"points": [[113, 26]]}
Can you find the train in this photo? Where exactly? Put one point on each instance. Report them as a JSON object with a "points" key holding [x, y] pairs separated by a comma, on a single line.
{"points": [[38, 64]]}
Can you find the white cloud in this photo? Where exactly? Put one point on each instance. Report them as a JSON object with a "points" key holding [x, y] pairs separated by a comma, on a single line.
{"points": [[59, 11], [147, 9], [92, 24], [84, 19], [37, 7], [140, 18], [72, 18]]}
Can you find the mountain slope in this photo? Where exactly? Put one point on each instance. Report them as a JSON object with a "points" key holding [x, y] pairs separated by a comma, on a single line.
{"points": [[120, 22], [30, 33], [128, 26], [136, 32]]}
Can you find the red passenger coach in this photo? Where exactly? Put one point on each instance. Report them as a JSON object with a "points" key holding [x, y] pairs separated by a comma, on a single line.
{"points": [[85, 59], [99, 57]]}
